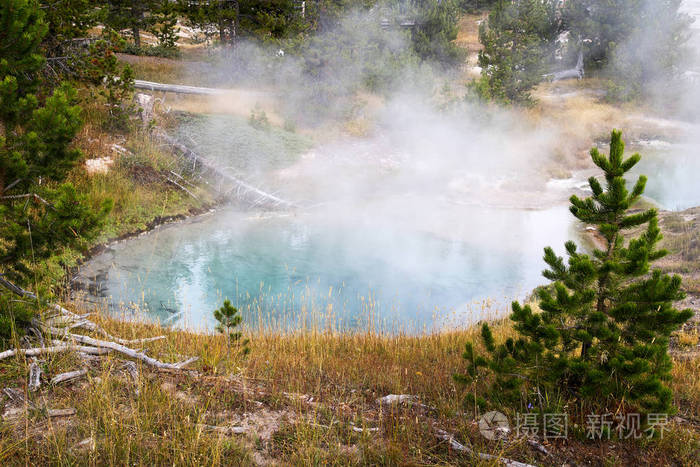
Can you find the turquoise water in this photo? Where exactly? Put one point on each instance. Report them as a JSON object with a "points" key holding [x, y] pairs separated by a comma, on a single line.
{"points": [[673, 170], [317, 268]]}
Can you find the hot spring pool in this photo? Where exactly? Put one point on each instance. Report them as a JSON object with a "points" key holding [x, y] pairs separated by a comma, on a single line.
{"points": [[318, 268], [407, 231]]}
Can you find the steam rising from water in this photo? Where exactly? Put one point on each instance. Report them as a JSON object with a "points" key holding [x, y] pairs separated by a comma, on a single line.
{"points": [[425, 213]]}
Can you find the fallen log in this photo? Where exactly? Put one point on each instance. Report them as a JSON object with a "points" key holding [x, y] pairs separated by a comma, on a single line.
{"points": [[68, 376], [402, 399], [49, 350], [538, 446], [173, 182], [224, 430], [88, 443], [17, 397], [74, 320], [17, 290], [61, 412], [131, 352], [141, 340], [576, 72], [358, 429], [245, 192], [176, 88]]}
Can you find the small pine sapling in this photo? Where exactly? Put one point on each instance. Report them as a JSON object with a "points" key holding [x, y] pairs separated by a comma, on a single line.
{"points": [[229, 319]]}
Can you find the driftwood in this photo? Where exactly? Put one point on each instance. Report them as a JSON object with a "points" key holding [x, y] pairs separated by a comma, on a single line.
{"points": [[68, 376], [61, 412], [131, 352], [50, 350], [176, 88], [244, 192], [457, 446], [34, 376]]}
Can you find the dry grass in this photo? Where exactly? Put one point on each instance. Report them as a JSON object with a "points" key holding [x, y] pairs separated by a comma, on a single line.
{"points": [[303, 396], [468, 39], [159, 69], [182, 70], [468, 32]]}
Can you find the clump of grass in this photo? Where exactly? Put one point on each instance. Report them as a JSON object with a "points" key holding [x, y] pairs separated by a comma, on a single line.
{"points": [[688, 339]]}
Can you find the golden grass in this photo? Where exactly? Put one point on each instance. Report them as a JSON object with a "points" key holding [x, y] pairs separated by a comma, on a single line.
{"points": [[159, 69], [468, 39], [304, 394], [468, 32]]}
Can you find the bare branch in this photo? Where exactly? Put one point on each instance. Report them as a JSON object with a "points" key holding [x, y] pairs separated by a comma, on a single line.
{"points": [[48, 350], [28, 195], [131, 352], [68, 376]]}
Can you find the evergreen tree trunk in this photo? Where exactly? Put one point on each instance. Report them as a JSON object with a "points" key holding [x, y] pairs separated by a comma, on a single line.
{"points": [[137, 36]]}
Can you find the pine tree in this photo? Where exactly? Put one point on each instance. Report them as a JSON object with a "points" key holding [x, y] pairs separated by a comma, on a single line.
{"points": [[222, 15], [602, 336], [130, 14], [38, 215], [165, 24], [23, 29], [517, 38], [435, 32], [229, 319], [111, 80], [67, 20]]}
